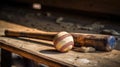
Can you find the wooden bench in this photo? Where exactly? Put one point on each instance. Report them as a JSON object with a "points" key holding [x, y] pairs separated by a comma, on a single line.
{"points": [[43, 52]]}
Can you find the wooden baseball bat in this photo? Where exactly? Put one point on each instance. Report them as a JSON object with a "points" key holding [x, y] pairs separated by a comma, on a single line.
{"points": [[98, 41]]}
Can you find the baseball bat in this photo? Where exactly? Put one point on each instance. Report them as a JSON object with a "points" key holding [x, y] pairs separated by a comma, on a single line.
{"points": [[98, 41]]}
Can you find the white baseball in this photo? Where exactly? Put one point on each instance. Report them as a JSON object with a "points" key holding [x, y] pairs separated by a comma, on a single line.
{"points": [[63, 41]]}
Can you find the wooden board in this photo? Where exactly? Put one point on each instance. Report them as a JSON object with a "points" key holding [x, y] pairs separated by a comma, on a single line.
{"points": [[34, 49]]}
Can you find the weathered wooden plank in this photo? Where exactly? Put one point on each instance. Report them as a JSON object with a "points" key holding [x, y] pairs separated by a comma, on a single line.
{"points": [[34, 56]]}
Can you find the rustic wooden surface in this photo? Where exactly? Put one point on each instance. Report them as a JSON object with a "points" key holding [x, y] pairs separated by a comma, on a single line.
{"points": [[41, 48], [33, 52]]}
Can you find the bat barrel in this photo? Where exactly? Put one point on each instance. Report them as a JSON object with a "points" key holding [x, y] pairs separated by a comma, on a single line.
{"points": [[98, 41]]}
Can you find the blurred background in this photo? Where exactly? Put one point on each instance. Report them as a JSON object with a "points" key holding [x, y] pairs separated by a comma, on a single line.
{"points": [[82, 16]]}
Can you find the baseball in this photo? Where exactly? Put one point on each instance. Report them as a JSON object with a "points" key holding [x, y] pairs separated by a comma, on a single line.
{"points": [[63, 41]]}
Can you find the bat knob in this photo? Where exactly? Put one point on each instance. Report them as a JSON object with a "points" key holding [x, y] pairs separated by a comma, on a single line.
{"points": [[111, 42], [63, 41]]}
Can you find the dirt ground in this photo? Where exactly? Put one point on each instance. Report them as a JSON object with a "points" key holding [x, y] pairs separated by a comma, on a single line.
{"points": [[54, 20]]}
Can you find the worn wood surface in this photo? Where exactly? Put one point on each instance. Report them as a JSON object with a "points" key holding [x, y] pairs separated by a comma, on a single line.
{"points": [[31, 51], [40, 51], [33, 55]]}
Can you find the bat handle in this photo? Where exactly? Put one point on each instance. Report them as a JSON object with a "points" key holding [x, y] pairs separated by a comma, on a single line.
{"points": [[39, 35]]}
